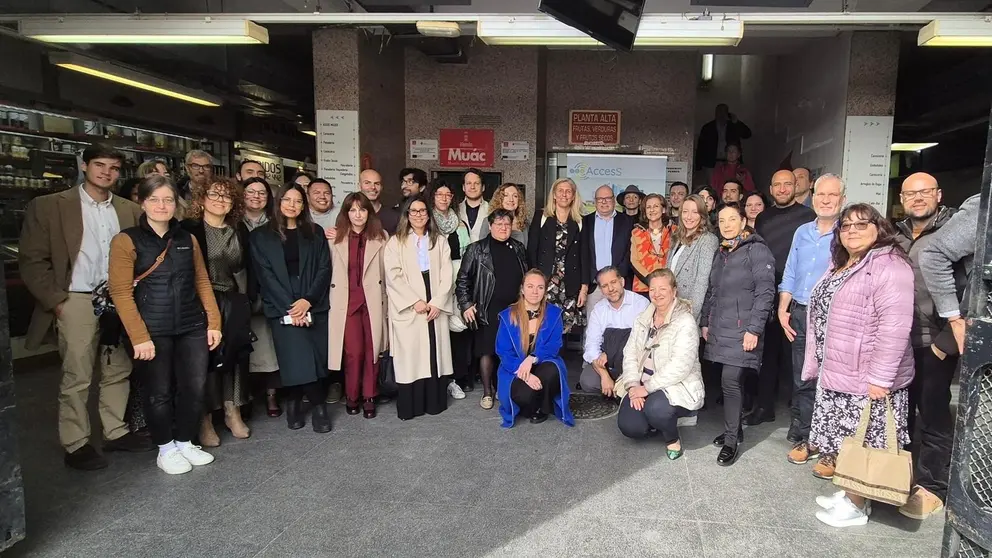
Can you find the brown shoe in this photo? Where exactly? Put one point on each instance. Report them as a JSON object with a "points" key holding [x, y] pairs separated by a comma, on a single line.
{"points": [[802, 453], [208, 436], [234, 422], [921, 504], [824, 468]]}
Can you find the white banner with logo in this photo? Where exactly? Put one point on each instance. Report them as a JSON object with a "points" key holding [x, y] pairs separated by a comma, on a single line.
{"points": [[589, 171]]}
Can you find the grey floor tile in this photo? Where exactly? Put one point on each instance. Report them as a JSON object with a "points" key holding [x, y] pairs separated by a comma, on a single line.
{"points": [[329, 528], [193, 545]]}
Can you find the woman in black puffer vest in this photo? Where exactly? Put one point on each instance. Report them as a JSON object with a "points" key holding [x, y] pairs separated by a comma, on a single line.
{"points": [[159, 283], [735, 310]]}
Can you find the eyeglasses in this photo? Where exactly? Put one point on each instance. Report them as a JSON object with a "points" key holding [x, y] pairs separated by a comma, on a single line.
{"points": [[217, 196], [501, 224], [924, 193], [443, 196], [197, 167], [418, 212], [604, 200], [859, 226], [254, 193], [409, 181], [160, 201], [293, 202]]}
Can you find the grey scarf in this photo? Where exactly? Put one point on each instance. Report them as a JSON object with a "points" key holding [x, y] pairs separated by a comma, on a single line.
{"points": [[447, 222]]}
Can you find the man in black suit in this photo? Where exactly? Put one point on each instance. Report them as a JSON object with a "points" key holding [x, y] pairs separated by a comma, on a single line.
{"points": [[714, 137], [605, 242]]}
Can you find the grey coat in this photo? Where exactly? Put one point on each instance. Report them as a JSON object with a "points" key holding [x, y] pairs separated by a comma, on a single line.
{"points": [[692, 270], [954, 242], [739, 300]]}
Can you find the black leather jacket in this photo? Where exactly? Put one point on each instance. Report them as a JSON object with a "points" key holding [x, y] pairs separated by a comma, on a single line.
{"points": [[476, 278]]}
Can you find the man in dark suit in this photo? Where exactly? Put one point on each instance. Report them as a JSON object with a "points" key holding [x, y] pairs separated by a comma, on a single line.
{"points": [[605, 242], [714, 137]]}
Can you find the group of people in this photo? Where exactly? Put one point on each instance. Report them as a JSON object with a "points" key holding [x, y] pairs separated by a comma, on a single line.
{"points": [[671, 294]]}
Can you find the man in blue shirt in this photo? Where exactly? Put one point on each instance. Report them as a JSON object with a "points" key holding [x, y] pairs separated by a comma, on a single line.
{"points": [[809, 259], [605, 242]]}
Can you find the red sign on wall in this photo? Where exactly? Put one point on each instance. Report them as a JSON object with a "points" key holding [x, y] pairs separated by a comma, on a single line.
{"points": [[594, 127], [467, 148]]}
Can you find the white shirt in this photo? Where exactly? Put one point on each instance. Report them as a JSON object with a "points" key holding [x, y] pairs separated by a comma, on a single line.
{"points": [[100, 224], [423, 251], [674, 261], [605, 316]]}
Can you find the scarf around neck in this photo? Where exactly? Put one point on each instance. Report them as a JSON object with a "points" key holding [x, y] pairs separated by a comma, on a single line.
{"points": [[733, 243], [447, 222]]}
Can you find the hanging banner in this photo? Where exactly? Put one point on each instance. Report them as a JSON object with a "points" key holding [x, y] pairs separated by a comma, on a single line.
{"points": [[594, 127], [337, 151], [467, 148], [589, 171]]}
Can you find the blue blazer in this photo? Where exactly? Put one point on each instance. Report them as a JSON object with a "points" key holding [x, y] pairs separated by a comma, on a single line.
{"points": [[511, 354]]}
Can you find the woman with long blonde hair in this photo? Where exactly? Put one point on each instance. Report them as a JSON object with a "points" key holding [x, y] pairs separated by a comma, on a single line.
{"points": [[510, 197], [554, 247], [533, 379]]}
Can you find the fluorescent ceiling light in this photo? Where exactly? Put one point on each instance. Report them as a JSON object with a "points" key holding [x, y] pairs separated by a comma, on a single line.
{"points": [[653, 31], [973, 33], [707, 69], [447, 29], [917, 147], [138, 30], [125, 76], [309, 132]]}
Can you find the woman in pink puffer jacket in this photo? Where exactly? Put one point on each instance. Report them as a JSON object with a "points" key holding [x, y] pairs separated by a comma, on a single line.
{"points": [[858, 347]]}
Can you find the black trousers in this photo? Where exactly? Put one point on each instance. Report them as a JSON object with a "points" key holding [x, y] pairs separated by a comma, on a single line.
{"points": [[180, 361], [803, 393], [776, 362], [930, 395], [542, 400], [733, 403], [658, 413]]}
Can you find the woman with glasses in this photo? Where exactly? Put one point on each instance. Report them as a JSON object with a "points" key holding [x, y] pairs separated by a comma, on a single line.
{"points": [[451, 227], [650, 241], [262, 362], [865, 302], [554, 247], [162, 291], [510, 197], [293, 265], [419, 285], [488, 283], [215, 221]]}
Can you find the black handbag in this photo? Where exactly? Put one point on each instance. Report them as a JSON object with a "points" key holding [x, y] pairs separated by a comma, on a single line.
{"points": [[387, 376]]}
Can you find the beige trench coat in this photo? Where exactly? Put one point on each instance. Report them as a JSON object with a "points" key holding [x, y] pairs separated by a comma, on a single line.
{"points": [[409, 340], [373, 279]]}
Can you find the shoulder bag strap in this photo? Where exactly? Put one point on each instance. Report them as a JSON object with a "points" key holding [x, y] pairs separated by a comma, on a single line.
{"points": [[158, 261]]}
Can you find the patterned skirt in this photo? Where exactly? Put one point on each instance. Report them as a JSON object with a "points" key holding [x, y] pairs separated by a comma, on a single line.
{"points": [[836, 416]]}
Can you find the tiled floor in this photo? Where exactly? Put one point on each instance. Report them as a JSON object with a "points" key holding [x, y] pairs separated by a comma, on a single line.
{"points": [[451, 485]]}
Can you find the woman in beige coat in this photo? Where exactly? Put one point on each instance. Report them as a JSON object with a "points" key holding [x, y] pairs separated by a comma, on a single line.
{"points": [[419, 283], [358, 295]]}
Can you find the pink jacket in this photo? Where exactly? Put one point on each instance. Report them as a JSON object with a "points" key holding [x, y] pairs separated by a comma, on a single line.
{"points": [[867, 336]]}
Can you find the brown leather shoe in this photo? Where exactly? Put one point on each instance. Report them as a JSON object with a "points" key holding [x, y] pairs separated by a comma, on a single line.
{"points": [[824, 468], [802, 453], [921, 504]]}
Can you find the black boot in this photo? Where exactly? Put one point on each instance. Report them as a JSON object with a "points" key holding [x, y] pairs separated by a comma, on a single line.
{"points": [[759, 416], [321, 419], [294, 415]]}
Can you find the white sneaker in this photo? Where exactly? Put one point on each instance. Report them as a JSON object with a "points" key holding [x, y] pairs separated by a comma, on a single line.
{"points": [[828, 502], [455, 391], [173, 462], [194, 455], [844, 514]]}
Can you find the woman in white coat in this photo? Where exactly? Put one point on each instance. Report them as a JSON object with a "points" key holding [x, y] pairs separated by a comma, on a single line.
{"points": [[419, 284], [661, 380]]}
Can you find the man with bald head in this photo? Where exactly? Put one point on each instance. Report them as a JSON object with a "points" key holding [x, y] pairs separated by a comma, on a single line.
{"points": [[605, 242], [370, 183], [804, 195], [777, 225], [934, 349]]}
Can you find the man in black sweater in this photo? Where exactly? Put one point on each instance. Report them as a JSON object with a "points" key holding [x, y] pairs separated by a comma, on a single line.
{"points": [[777, 226]]}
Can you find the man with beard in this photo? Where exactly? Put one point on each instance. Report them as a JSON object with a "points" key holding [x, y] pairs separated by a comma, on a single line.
{"points": [[935, 352], [732, 192], [473, 210], [370, 182], [803, 194], [250, 169], [777, 225], [609, 327], [808, 259], [677, 194], [412, 182]]}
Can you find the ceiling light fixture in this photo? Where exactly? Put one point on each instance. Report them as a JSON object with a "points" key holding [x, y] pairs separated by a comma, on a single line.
{"points": [[139, 30], [674, 31], [974, 33], [309, 132], [125, 76], [917, 147], [445, 29]]}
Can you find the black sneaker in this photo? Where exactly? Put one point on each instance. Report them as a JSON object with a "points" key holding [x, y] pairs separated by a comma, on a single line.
{"points": [[85, 459], [130, 442]]}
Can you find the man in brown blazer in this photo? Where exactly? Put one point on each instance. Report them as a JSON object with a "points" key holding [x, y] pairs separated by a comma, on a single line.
{"points": [[64, 256]]}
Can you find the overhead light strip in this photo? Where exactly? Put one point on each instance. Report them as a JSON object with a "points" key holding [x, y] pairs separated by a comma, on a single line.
{"points": [[917, 147], [669, 31], [144, 30], [950, 33], [125, 76]]}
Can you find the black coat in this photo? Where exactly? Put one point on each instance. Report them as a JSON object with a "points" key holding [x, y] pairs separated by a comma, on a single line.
{"points": [[739, 300], [269, 261], [195, 227], [477, 278], [623, 225], [709, 138], [541, 250]]}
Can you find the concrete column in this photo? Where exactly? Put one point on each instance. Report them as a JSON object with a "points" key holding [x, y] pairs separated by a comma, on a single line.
{"points": [[871, 78]]}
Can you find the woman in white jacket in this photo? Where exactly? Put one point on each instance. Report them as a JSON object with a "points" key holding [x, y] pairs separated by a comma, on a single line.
{"points": [[661, 379]]}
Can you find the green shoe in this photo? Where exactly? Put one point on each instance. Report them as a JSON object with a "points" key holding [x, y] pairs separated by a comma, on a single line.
{"points": [[674, 454]]}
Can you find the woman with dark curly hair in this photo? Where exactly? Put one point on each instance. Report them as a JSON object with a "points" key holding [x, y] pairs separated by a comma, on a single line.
{"points": [[215, 219]]}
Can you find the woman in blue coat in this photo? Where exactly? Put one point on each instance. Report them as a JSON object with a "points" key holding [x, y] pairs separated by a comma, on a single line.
{"points": [[533, 380]]}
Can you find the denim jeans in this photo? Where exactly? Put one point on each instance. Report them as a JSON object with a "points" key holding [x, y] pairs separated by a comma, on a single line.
{"points": [[180, 361], [803, 393]]}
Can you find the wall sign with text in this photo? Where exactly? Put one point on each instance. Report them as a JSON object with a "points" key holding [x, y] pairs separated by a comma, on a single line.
{"points": [[467, 148], [594, 127]]}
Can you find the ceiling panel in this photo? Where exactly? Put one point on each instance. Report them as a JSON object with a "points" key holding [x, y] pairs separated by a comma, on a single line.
{"points": [[678, 6]]}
